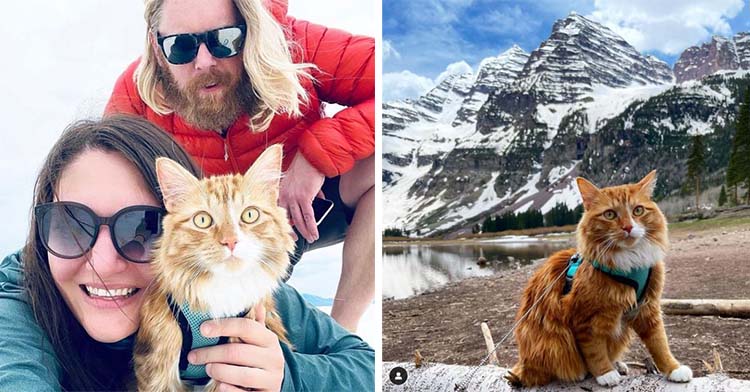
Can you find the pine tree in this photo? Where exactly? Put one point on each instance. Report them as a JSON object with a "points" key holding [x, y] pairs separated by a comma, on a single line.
{"points": [[393, 233], [696, 166], [578, 213], [722, 196], [732, 172], [488, 226], [742, 138], [738, 170], [534, 219], [561, 215]]}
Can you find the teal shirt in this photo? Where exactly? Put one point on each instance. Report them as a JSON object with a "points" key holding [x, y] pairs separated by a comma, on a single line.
{"points": [[326, 358]]}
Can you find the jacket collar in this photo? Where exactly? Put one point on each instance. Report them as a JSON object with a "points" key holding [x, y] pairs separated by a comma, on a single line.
{"points": [[277, 8]]}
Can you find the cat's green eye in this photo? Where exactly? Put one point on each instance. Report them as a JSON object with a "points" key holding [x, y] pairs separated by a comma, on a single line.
{"points": [[610, 214], [250, 215], [203, 220], [638, 211]]}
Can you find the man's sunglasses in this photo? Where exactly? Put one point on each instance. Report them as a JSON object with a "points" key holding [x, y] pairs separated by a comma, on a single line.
{"points": [[68, 230], [221, 43]]}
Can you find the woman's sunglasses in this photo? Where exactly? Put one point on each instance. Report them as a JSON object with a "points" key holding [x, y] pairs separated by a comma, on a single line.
{"points": [[68, 230], [221, 43]]}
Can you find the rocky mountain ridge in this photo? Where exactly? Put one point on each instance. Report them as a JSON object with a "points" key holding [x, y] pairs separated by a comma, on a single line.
{"points": [[514, 137], [719, 54], [581, 53]]}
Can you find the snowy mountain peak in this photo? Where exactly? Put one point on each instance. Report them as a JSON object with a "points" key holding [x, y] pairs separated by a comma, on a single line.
{"points": [[514, 50], [581, 53], [720, 39], [503, 69], [494, 73], [575, 23], [454, 87]]}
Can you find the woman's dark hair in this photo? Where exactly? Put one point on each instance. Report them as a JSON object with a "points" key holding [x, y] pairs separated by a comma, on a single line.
{"points": [[140, 142]]}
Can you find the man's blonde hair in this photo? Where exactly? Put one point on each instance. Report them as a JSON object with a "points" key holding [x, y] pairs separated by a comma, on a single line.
{"points": [[266, 57]]}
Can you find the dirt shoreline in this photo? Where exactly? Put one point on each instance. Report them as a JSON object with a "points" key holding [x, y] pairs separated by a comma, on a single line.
{"points": [[713, 263]]}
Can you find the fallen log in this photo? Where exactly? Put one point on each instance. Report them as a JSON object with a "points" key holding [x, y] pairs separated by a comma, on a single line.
{"points": [[439, 377], [739, 308]]}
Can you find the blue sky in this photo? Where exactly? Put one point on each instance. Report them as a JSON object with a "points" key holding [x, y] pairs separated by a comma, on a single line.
{"points": [[422, 38]]}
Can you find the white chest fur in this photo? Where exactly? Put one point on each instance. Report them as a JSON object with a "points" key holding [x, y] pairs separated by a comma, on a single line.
{"points": [[644, 254], [227, 293]]}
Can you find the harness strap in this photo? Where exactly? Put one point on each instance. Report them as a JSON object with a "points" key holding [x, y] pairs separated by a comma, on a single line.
{"points": [[190, 322], [638, 279], [575, 261]]}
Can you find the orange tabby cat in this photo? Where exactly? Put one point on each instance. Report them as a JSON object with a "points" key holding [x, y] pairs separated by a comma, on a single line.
{"points": [[586, 329], [224, 249]]}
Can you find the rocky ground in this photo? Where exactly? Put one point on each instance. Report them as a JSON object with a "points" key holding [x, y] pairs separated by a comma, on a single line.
{"points": [[708, 261]]}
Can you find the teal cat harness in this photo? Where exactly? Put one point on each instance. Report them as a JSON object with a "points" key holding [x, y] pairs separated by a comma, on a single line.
{"points": [[190, 322], [637, 278]]}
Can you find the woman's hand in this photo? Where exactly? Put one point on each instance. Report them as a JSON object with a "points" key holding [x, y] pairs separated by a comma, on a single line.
{"points": [[256, 362], [301, 182]]}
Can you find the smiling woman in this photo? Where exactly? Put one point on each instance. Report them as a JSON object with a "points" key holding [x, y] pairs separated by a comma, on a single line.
{"points": [[82, 295], [70, 302], [102, 289]]}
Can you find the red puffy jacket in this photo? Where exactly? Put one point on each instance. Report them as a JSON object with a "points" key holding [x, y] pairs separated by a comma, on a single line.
{"points": [[345, 75]]}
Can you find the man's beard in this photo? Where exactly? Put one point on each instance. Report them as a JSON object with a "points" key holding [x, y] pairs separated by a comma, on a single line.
{"points": [[209, 111]]}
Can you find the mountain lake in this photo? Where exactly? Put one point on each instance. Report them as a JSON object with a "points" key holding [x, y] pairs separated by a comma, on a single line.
{"points": [[413, 268]]}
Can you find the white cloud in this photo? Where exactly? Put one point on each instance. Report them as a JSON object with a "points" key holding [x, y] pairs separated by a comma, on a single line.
{"points": [[666, 26], [457, 68], [389, 51], [404, 84], [407, 84]]}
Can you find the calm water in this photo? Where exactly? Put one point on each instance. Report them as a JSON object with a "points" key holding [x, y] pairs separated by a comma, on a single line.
{"points": [[413, 269]]}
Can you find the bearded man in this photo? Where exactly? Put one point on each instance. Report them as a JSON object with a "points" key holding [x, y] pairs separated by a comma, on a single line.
{"points": [[229, 78]]}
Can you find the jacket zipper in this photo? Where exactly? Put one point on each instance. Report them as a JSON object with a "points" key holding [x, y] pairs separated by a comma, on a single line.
{"points": [[228, 151]]}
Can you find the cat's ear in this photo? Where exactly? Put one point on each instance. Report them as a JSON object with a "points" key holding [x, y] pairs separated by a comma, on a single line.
{"points": [[647, 184], [266, 172], [589, 192], [174, 181]]}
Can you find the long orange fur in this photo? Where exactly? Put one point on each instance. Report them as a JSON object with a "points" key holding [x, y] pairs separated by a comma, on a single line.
{"points": [[184, 252], [566, 337]]}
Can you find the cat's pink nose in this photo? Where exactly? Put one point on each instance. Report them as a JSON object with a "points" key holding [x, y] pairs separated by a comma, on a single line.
{"points": [[627, 228], [229, 243]]}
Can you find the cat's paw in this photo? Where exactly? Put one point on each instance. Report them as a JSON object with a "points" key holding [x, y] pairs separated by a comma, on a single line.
{"points": [[681, 374], [609, 379], [513, 379], [622, 368]]}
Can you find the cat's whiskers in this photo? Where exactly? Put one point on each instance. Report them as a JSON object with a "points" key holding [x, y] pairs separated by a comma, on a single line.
{"points": [[266, 263], [652, 237], [603, 248], [599, 241], [262, 260]]}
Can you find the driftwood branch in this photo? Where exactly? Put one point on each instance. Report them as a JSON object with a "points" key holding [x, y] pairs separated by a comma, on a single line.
{"points": [[441, 377], [490, 344], [739, 308]]}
